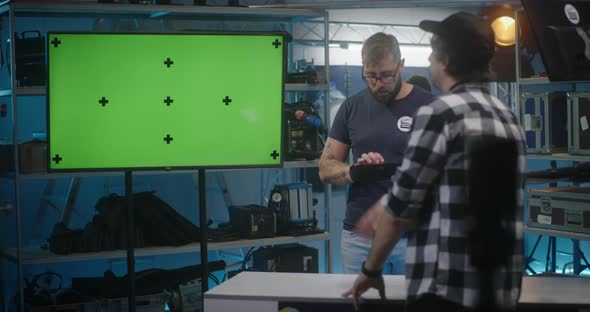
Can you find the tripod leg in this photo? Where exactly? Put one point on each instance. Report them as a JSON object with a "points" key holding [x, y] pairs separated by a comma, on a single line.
{"points": [[553, 254], [583, 258], [530, 258], [576, 256], [547, 257]]}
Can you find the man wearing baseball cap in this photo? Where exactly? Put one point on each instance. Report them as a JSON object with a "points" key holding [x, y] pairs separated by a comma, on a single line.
{"points": [[429, 194]]}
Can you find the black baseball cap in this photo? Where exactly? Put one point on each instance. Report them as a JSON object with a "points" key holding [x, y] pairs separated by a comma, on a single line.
{"points": [[466, 35]]}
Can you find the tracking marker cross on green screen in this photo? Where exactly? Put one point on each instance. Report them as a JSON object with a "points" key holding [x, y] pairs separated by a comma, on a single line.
{"points": [[140, 101]]}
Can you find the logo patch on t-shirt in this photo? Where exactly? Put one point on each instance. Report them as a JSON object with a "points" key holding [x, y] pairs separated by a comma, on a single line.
{"points": [[405, 123], [572, 14]]}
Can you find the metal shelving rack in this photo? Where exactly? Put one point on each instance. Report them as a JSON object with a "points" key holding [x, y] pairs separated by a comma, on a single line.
{"points": [[538, 81], [63, 9], [553, 158]]}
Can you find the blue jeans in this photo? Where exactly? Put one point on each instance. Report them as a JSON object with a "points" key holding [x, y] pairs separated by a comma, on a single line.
{"points": [[355, 250]]}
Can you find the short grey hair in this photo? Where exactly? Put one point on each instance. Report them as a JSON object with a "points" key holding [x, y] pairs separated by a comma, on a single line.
{"points": [[378, 46]]}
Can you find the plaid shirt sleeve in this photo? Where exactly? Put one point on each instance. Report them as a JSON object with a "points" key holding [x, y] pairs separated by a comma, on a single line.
{"points": [[422, 164]]}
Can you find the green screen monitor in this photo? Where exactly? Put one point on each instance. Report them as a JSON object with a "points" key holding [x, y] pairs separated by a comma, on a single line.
{"points": [[164, 101]]}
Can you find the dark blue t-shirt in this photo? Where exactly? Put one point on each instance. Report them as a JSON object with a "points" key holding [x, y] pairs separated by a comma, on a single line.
{"points": [[366, 125]]}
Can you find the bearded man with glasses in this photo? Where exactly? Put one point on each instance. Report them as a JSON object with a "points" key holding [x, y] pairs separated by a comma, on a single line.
{"points": [[375, 124]]}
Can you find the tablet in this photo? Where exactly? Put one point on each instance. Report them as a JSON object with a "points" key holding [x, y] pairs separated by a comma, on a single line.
{"points": [[372, 172]]}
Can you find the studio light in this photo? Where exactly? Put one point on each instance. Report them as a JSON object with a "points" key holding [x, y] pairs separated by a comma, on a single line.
{"points": [[502, 21], [504, 30]]}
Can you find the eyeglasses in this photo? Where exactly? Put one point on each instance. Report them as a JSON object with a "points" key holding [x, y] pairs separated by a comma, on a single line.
{"points": [[385, 78]]}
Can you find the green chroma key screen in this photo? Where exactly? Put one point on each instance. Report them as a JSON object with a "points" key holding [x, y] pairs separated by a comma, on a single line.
{"points": [[193, 100]]}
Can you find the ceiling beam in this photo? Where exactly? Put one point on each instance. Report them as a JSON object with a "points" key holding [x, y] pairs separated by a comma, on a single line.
{"points": [[344, 4]]}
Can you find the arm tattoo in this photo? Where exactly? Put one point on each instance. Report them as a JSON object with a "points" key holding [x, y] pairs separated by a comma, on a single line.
{"points": [[327, 155], [330, 154], [330, 162]]}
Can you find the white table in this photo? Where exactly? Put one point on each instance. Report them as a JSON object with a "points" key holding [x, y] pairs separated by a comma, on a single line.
{"points": [[262, 291]]}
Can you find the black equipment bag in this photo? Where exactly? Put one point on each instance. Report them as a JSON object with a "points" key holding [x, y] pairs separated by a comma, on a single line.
{"points": [[156, 224], [64, 240], [148, 282], [162, 224], [108, 229]]}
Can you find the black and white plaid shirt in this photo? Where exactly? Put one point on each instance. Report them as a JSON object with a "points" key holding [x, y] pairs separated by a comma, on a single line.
{"points": [[435, 163]]}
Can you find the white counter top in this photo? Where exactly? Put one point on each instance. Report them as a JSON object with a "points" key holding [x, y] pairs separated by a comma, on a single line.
{"points": [[306, 287]]}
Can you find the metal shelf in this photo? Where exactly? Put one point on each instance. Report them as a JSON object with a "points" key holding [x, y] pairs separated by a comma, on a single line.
{"points": [[44, 175], [36, 255], [542, 181], [536, 80], [62, 175], [306, 87], [40, 90], [63, 8], [557, 233], [544, 80], [558, 156], [280, 240]]}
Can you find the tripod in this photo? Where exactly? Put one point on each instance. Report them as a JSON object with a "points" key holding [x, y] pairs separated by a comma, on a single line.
{"points": [[550, 259]]}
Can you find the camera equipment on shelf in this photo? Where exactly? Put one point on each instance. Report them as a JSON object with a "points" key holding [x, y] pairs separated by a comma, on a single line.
{"points": [[303, 131], [293, 204], [286, 258], [30, 58], [253, 221], [303, 72]]}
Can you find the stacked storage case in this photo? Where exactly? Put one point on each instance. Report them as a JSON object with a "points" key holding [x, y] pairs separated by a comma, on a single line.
{"points": [[544, 119], [565, 208], [578, 118]]}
